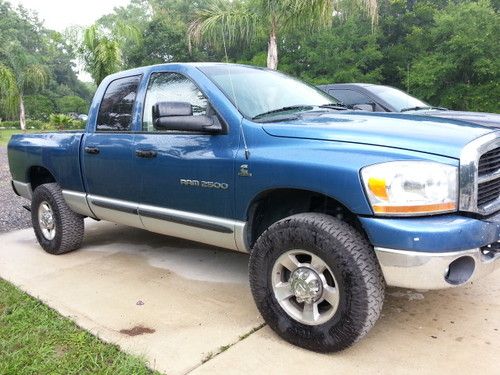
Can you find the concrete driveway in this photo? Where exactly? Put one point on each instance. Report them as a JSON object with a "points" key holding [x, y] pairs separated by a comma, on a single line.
{"points": [[186, 308]]}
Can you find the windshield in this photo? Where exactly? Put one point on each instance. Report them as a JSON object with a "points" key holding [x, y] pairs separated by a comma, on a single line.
{"points": [[256, 91], [397, 98]]}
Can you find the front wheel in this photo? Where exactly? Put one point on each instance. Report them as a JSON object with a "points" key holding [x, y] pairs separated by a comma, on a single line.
{"points": [[57, 228], [316, 281]]}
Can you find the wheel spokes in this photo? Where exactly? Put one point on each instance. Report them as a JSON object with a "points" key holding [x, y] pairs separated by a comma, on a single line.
{"points": [[318, 264], [331, 295], [310, 312], [290, 262], [282, 291]]}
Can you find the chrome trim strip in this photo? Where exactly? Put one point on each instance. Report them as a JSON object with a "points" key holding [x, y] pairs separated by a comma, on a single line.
{"points": [[162, 214], [489, 177], [423, 270], [193, 226], [115, 210], [469, 164], [211, 230], [77, 201], [23, 189]]}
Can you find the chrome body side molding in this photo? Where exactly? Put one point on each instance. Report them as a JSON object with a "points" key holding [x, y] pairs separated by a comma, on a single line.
{"points": [[22, 189], [77, 201], [192, 226], [211, 230]]}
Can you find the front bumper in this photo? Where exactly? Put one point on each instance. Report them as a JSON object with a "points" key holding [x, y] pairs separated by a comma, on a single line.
{"points": [[429, 270]]}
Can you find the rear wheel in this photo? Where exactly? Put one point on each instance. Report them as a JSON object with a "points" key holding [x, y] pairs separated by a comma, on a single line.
{"points": [[316, 282], [57, 228]]}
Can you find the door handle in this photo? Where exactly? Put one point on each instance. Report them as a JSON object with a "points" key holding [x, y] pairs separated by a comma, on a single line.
{"points": [[148, 154], [91, 150]]}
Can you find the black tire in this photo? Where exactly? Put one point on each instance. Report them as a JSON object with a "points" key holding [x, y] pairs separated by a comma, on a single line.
{"points": [[69, 227], [356, 270]]}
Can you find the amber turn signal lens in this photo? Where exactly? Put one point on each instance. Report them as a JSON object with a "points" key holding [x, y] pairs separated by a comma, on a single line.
{"points": [[378, 187], [439, 207]]}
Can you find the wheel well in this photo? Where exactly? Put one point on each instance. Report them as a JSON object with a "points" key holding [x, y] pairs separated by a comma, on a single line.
{"points": [[274, 205], [38, 176]]}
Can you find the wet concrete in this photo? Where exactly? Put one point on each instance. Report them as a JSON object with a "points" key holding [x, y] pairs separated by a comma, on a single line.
{"points": [[179, 304]]}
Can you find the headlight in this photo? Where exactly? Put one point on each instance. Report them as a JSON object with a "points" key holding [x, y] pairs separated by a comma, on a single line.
{"points": [[411, 187]]}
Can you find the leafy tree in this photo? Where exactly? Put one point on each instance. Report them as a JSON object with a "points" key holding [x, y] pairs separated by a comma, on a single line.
{"points": [[39, 107], [346, 52], [72, 104], [457, 66]]}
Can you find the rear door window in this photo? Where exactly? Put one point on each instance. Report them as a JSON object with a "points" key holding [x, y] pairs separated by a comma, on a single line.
{"points": [[117, 105]]}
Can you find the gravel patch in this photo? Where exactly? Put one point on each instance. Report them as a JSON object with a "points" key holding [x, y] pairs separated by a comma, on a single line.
{"points": [[12, 214]]}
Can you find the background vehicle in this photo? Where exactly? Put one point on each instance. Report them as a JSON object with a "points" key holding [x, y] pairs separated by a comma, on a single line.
{"points": [[379, 98], [332, 205]]}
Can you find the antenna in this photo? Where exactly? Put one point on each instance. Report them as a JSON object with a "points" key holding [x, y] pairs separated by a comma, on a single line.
{"points": [[247, 151]]}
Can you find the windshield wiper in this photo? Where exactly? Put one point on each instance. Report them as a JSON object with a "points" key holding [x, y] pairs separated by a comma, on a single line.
{"points": [[422, 108], [283, 109], [338, 106]]}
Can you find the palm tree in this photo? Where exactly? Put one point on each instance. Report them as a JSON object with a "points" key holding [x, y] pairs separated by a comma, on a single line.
{"points": [[237, 21], [101, 48], [101, 54], [13, 84]]}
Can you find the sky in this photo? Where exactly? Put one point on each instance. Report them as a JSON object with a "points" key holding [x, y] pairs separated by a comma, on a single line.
{"points": [[59, 14]]}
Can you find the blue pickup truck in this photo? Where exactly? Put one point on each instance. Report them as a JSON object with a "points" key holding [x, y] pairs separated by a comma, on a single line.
{"points": [[332, 205]]}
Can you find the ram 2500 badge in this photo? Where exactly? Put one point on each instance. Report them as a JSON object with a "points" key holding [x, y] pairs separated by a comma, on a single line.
{"points": [[332, 205]]}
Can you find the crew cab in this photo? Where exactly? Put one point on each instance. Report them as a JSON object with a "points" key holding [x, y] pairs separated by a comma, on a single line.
{"points": [[332, 205]]}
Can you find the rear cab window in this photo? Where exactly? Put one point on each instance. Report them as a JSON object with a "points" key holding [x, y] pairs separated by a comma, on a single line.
{"points": [[117, 105]]}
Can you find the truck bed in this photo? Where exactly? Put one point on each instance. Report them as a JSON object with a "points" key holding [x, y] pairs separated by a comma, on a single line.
{"points": [[58, 152]]}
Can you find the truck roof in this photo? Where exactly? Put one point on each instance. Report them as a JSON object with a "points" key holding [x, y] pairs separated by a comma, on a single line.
{"points": [[147, 69]]}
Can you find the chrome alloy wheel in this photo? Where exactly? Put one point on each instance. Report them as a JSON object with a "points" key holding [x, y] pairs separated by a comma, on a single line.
{"points": [[305, 287], [46, 220]]}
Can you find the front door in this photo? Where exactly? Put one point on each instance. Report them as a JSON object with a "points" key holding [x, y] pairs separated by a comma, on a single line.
{"points": [[188, 186]]}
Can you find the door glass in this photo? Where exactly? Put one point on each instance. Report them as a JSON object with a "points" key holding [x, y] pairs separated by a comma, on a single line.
{"points": [[117, 105], [171, 87]]}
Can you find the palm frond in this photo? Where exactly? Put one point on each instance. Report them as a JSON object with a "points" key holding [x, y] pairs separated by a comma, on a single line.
{"points": [[221, 21], [312, 14], [9, 92], [34, 76]]}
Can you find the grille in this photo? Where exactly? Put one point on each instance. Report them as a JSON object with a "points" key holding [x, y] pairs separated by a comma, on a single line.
{"points": [[488, 192], [489, 162], [488, 189]]}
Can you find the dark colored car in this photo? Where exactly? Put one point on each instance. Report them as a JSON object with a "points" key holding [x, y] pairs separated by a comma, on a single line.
{"points": [[379, 98]]}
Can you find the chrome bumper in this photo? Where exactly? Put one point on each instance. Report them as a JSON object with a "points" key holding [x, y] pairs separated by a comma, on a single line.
{"points": [[421, 270]]}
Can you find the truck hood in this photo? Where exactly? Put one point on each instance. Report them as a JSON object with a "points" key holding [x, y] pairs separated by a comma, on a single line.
{"points": [[481, 118], [417, 133]]}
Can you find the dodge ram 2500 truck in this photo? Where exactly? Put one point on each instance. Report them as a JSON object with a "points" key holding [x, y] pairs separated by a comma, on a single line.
{"points": [[331, 205]]}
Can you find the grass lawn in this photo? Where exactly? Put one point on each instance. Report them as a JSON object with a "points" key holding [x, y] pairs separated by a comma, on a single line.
{"points": [[34, 339], [5, 134]]}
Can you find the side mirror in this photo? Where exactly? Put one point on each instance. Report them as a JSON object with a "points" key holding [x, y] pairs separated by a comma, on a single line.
{"points": [[367, 107], [179, 116]]}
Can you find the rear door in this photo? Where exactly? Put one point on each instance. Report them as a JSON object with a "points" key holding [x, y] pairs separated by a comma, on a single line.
{"points": [[109, 159]]}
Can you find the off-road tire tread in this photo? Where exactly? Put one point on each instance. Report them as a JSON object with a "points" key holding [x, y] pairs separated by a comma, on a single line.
{"points": [[354, 256], [69, 224]]}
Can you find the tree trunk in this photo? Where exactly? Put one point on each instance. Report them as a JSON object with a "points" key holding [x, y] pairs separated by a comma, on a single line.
{"points": [[272, 48], [22, 114]]}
